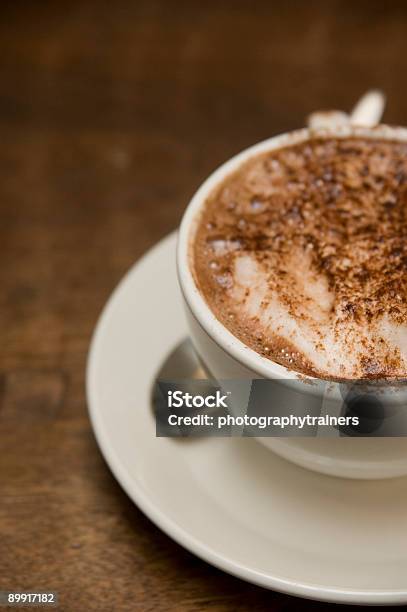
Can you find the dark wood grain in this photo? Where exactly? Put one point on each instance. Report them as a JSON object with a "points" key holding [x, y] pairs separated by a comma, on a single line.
{"points": [[111, 114]]}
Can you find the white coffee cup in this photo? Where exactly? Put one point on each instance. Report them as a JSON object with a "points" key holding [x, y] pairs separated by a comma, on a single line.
{"points": [[227, 357]]}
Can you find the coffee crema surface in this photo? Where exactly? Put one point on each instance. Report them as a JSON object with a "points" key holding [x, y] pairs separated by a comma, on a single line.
{"points": [[302, 254]]}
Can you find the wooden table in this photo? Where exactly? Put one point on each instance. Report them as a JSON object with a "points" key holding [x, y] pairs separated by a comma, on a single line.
{"points": [[111, 114]]}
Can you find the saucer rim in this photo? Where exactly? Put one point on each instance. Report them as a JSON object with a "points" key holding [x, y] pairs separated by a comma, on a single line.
{"points": [[146, 504]]}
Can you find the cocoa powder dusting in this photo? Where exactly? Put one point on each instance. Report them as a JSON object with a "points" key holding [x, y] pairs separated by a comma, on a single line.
{"points": [[330, 209]]}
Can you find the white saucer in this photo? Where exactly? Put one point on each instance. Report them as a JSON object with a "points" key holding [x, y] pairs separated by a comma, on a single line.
{"points": [[230, 501]]}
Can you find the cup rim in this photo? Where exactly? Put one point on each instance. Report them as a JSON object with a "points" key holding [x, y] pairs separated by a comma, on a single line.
{"points": [[231, 344]]}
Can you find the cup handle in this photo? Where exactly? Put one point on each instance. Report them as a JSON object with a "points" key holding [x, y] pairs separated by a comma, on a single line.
{"points": [[366, 113], [369, 109]]}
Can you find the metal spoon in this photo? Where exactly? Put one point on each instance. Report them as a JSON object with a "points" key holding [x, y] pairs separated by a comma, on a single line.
{"points": [[181, 364]]}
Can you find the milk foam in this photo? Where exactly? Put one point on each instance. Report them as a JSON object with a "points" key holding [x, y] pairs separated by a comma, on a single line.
{"points": [[315, 330], [302, 254]]}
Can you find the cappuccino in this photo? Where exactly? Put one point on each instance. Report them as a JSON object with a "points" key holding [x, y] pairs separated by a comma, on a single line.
{"points": [[302, 254]]}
